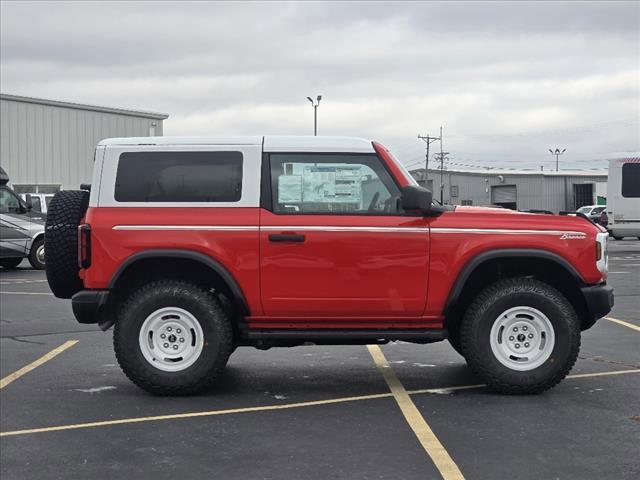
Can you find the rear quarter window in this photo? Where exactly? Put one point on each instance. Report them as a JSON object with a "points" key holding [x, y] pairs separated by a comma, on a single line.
{"points": [[179, 177]]}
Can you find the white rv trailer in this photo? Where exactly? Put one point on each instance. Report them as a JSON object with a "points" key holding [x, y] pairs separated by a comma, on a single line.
{"points": [[623, 198]]}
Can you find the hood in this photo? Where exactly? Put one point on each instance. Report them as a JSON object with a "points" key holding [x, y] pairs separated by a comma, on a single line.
{"points": [[491, 217]]}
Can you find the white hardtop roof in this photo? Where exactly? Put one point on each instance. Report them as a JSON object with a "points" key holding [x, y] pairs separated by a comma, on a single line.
{"points": [[271, 143]]}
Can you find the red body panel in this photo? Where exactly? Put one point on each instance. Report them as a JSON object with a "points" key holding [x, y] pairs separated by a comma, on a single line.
{"points": [[237, 251], [450, 252], [374, 269]]}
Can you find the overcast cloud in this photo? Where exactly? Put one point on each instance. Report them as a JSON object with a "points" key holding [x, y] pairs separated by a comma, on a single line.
{"points": [[506, 80]]}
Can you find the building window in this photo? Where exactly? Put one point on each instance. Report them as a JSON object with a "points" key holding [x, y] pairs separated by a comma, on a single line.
{"points": [[453, 191], [179, 177], [466, 203]]}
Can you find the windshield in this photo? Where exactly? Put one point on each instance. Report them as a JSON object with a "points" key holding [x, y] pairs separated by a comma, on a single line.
{"points": [[584, 209]]}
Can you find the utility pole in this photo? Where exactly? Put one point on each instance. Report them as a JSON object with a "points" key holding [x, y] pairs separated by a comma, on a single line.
{"points": [[315, 113], [442, 156], [557, 153], [428, 140]]}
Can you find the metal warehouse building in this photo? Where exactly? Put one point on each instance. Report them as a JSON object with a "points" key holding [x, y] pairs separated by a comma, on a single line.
{"points": [[46, 145], [517, 189]]}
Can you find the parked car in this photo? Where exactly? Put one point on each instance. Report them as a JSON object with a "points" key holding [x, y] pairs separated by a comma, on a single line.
{"points": [[192, 247], [21, 229], [592, 211], [623, 198]]}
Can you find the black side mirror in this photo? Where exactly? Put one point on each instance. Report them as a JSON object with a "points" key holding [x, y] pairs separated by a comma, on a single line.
{"points": [[416, 199]]}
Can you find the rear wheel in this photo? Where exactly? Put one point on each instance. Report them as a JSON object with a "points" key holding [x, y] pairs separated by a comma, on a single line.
{"points": [[172, 338], [36, 255], [10, 263], [61, 238], [521, 336]]}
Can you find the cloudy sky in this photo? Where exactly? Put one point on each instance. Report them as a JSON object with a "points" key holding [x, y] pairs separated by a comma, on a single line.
{"points": [[506, 80]]}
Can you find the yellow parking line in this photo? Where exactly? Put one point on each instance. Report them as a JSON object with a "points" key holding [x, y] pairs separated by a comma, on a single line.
{"points": [[196, 414], [441, 458], [622, 322], [209, 413], [33, 365], [603, 374]]}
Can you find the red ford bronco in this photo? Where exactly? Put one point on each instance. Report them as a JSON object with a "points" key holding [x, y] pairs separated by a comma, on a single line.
{"points": [[194, 246]]}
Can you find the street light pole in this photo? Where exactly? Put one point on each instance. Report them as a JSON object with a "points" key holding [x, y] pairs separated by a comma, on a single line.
{"points": [[557, 153], [315, 112]]}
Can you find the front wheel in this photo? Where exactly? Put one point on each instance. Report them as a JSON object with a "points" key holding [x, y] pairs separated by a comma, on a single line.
{"points": [[36, 255], [521, 336], [172, 338]]}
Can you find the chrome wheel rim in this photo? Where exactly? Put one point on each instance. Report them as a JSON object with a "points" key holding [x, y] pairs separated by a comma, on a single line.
{"points": [[40, 253], [171, 339], [522, 338]]}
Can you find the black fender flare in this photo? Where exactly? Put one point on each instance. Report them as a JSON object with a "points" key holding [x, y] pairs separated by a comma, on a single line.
{"points": [[479, 259], [217, 267]]}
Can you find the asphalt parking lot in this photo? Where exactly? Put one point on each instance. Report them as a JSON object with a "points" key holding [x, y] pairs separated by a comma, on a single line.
{"points": [[67, 411]]}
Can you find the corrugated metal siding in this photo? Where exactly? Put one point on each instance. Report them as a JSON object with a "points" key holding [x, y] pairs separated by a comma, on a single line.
{"points": [[45, 144]]}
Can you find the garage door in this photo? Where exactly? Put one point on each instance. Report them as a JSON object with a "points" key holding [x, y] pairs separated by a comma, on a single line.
{"points": [[503, 194]]}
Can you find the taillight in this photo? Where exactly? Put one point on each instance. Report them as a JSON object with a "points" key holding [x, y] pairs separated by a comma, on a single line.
{"points": [[602, 256], [84, 245]]}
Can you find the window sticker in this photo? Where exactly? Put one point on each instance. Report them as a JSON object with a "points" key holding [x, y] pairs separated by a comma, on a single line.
{"points": [[332, 184], [290, 189]]}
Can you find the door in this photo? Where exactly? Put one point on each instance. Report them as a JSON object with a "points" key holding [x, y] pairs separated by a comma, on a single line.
{"points": [[14, 225], [504, 196], [334, 242], [582, 194]]}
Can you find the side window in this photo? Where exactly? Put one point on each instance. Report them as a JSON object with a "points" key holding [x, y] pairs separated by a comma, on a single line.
{"points": [[332, 184], [35, 204], [179, 177], [9, 203], [631, 180]]}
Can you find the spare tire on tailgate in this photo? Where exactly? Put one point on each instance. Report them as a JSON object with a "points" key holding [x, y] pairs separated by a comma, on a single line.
{"points": [[61, 241]]}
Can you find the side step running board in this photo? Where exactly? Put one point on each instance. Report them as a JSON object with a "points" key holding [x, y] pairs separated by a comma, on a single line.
{"points": [[433, 334]]}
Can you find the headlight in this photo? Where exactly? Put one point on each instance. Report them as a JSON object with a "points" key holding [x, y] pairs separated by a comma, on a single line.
{"points": [[602, 253]]}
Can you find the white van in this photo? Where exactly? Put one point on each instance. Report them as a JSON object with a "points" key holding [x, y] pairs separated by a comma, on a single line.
{"points": [[623, 198]]}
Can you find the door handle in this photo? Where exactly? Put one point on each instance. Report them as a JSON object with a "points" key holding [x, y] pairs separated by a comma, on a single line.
{"points": [[286, 237]]}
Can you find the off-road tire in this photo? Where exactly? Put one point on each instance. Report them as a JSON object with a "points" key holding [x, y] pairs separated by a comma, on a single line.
{"points": [[61, 240], [10, 263], [216, 327], [33, 254], [485, 310]]}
